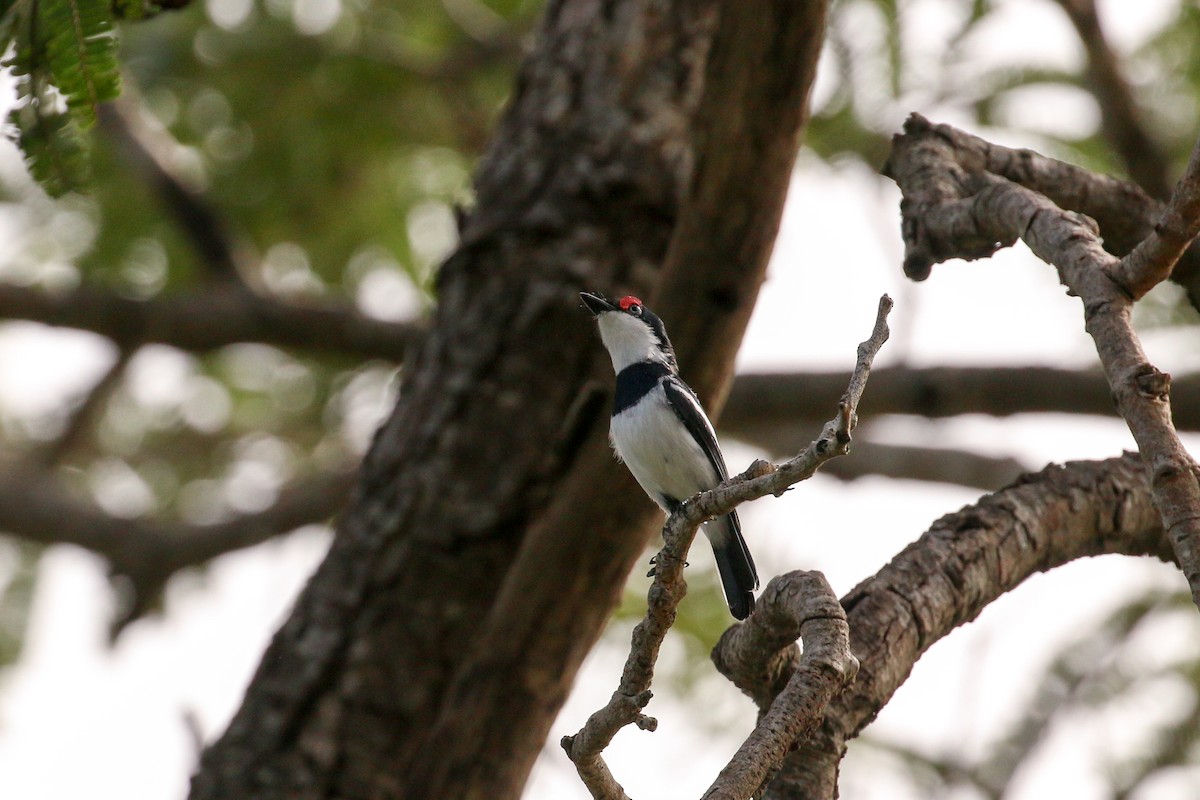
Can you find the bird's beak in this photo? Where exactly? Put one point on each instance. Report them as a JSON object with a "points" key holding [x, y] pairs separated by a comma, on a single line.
{"points": [[595, 303]]}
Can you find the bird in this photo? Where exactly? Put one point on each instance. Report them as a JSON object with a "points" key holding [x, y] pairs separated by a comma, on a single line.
{"points": [[660, 431]]}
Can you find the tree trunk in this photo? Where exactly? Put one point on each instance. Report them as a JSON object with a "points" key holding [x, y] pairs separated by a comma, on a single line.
{"points": [[491, 530]]}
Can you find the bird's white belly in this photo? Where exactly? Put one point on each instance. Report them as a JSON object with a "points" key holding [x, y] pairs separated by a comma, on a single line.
{"points": [[659, 451]]}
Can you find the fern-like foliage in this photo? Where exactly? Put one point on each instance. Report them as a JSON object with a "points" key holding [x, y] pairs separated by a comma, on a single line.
{"points": [[63, 54], [81, 53], [54, 147]]}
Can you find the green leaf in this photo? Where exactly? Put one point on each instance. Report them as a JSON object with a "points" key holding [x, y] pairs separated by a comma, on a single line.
{"points": [[81, 53]]}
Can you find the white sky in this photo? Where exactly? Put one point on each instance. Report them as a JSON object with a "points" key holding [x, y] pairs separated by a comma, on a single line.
{"points": [[80, 721]]}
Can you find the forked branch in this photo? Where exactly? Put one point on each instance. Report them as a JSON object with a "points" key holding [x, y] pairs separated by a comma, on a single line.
{"points": [[954, 206]]}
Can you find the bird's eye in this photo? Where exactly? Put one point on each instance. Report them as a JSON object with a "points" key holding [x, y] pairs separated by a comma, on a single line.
{"points": [[636, 310]]}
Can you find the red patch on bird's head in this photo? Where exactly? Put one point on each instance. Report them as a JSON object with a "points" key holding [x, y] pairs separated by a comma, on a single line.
{"points": [[627, 301]]}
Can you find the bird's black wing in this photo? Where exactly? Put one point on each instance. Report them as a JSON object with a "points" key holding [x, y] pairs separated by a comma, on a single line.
{"points": [[687, 407], [739, 578]]}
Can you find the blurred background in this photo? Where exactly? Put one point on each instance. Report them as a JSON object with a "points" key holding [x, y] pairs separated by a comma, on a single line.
{"points": [[313, 153]]}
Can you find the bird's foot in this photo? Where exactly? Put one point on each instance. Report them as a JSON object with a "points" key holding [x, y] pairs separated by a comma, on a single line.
{"points": [[654, 570]]}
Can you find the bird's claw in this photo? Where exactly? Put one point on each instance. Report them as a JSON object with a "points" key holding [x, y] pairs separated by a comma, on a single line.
{"points": [[654, 570]]}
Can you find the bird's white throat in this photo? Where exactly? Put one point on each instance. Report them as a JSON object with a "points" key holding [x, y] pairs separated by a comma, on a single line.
{"points": [[628, 340]]}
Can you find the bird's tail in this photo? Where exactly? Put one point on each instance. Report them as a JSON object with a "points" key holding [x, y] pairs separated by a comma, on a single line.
{"points": [[739, 579]]}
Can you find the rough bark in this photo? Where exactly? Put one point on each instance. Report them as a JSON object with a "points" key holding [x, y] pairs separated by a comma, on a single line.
{"points": [[582, 188], [947, 577], [762, 652], [1125, 214], [762, 60]]}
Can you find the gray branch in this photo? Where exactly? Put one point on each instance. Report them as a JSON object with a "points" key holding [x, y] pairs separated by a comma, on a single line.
{"points": [[1125, 213]]}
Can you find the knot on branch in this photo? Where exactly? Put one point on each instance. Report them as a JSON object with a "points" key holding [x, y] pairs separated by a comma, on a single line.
{"points": [[760, 656], [757, 469], [1152, 382], [793, 690]]}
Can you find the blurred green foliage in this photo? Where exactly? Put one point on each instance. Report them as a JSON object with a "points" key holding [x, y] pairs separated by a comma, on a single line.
{"points": [[332, 141]]}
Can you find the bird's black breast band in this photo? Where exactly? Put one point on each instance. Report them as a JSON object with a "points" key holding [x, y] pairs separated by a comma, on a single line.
{"points": [[635, 381]]}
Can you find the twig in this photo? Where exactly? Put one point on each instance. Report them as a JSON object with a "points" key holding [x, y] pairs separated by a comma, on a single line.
{"points": [[757, 654], [952, 209], [1153, 260], [669, 587]]}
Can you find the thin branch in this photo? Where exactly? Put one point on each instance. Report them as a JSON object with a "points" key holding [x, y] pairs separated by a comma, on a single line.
{"points": [[756, 654], [669, 586], [952, 209], [1154, 259], [773, 411], [206, 320], [963, 563]]}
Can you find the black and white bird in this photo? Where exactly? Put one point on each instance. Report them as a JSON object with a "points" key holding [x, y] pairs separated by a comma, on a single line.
{"points": [[662, 434]]}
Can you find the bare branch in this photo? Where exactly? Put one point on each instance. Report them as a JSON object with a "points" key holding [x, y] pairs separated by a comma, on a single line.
{"points": [[758, 653], [1153, 260], [952, 209], [963, 563], [206, 320], [669, 586]]}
